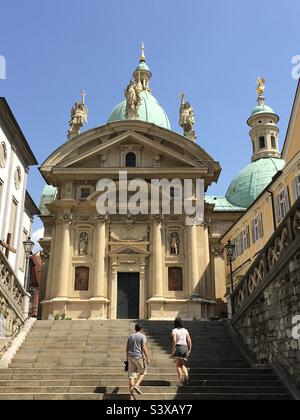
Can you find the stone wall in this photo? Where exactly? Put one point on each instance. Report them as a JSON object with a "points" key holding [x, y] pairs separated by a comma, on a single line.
{"points": [[267, 300], [266, 327]]}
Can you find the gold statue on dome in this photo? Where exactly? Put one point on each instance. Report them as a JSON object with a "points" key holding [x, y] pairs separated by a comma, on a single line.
{"points": [[260, 86]]}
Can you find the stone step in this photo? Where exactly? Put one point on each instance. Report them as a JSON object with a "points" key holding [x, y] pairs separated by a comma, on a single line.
{"points": [[113, 378], [84, 360], [113, 382], [145, 389], [163, 370], [148, 397]]}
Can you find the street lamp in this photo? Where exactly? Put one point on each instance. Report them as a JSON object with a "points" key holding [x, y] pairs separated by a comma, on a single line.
{"points": [[28, 247], [230, 248]]}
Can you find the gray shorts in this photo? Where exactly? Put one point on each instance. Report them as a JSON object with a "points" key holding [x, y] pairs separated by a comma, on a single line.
{"points": [[181, 352]]}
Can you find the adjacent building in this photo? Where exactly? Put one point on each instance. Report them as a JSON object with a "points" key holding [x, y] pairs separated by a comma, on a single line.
{"points": [[281, 180], [17, 210]]}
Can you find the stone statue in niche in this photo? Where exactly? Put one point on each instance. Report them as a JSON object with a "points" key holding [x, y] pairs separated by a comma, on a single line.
{"points": [[83, 243], [174, 243]]}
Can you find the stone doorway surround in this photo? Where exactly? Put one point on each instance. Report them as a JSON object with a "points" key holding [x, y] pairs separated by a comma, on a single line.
{"points": [[129, 262]]}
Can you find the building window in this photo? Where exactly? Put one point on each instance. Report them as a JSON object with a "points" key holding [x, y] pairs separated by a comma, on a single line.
{"points": [[273, 142], [175, 279], [297, 187], [130, 161], [12, 220], [282, 205], [82, 278], [18, 177], [257, 228], [3, 155], [84, 193], [242, 242], [262, 142]]}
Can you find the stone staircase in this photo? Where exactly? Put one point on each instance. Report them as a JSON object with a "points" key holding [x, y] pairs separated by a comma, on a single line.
{"points": [[65, 360]]}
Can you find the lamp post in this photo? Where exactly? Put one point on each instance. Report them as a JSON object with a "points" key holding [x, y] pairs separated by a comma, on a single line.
{"points": [[230, 248], [28, 247]]}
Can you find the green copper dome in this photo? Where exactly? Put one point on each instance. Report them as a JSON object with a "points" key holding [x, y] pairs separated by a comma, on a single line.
{"points": [[149, 111], [48, 196], [262, 108], [251, 181], [142, 66]]}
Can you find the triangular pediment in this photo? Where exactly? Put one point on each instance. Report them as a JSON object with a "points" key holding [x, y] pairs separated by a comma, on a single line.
{"points": [[175, 155], [100, 150], [127, 249]]}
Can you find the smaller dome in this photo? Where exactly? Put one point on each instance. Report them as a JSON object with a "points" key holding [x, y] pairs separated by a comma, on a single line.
{"points": [[48, 196], [262, 108], [252, 180], [142, 66]]}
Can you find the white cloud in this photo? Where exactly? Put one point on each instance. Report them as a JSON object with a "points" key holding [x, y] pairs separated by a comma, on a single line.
{"points": [[36, 236]]}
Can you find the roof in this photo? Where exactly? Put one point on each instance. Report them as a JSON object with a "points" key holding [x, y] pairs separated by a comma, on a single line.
{"points": [[149, 111], [9, 123], [262, 108], [292, 128], [30, 205], [48, 196], [222, 204], [252, 180]]}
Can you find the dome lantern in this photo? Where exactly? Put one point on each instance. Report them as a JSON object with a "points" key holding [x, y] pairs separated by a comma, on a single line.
{"points": [[264, 132], [142, 74], [149, 109]]}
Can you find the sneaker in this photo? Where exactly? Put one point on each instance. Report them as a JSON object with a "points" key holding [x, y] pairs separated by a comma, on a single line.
{"points": [[138, 390]]}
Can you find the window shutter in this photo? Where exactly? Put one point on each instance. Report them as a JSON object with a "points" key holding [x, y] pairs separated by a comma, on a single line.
{"points": [[287, 199], [261, 225], [277, 210], [253, 231], [296, 188], [248, 236]]}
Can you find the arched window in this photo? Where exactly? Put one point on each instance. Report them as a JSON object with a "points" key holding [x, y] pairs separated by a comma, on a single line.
{"points": [[262, 142], [130, 161]]}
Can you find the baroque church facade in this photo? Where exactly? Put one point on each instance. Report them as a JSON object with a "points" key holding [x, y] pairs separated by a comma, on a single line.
{"points": [[123, 265]]}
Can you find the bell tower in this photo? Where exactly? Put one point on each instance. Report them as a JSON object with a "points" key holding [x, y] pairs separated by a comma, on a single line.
{"points": [[264, 132]]}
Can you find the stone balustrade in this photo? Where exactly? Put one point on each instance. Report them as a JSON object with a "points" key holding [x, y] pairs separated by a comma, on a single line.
{"points": [[14, 301], [267, 299]]}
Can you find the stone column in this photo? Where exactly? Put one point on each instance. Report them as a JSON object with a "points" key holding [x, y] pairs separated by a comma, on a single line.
{"points": [[157, 260], [100, 286], [193, 258], [62, 263]]}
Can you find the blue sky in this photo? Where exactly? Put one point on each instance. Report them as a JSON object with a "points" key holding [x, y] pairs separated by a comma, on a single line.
{"points": [[213, 51]]}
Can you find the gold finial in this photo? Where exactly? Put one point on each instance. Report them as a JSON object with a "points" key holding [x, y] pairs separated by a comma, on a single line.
{"points": [[260, 86], [83, 95], [143, 58], [182, 96]]}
